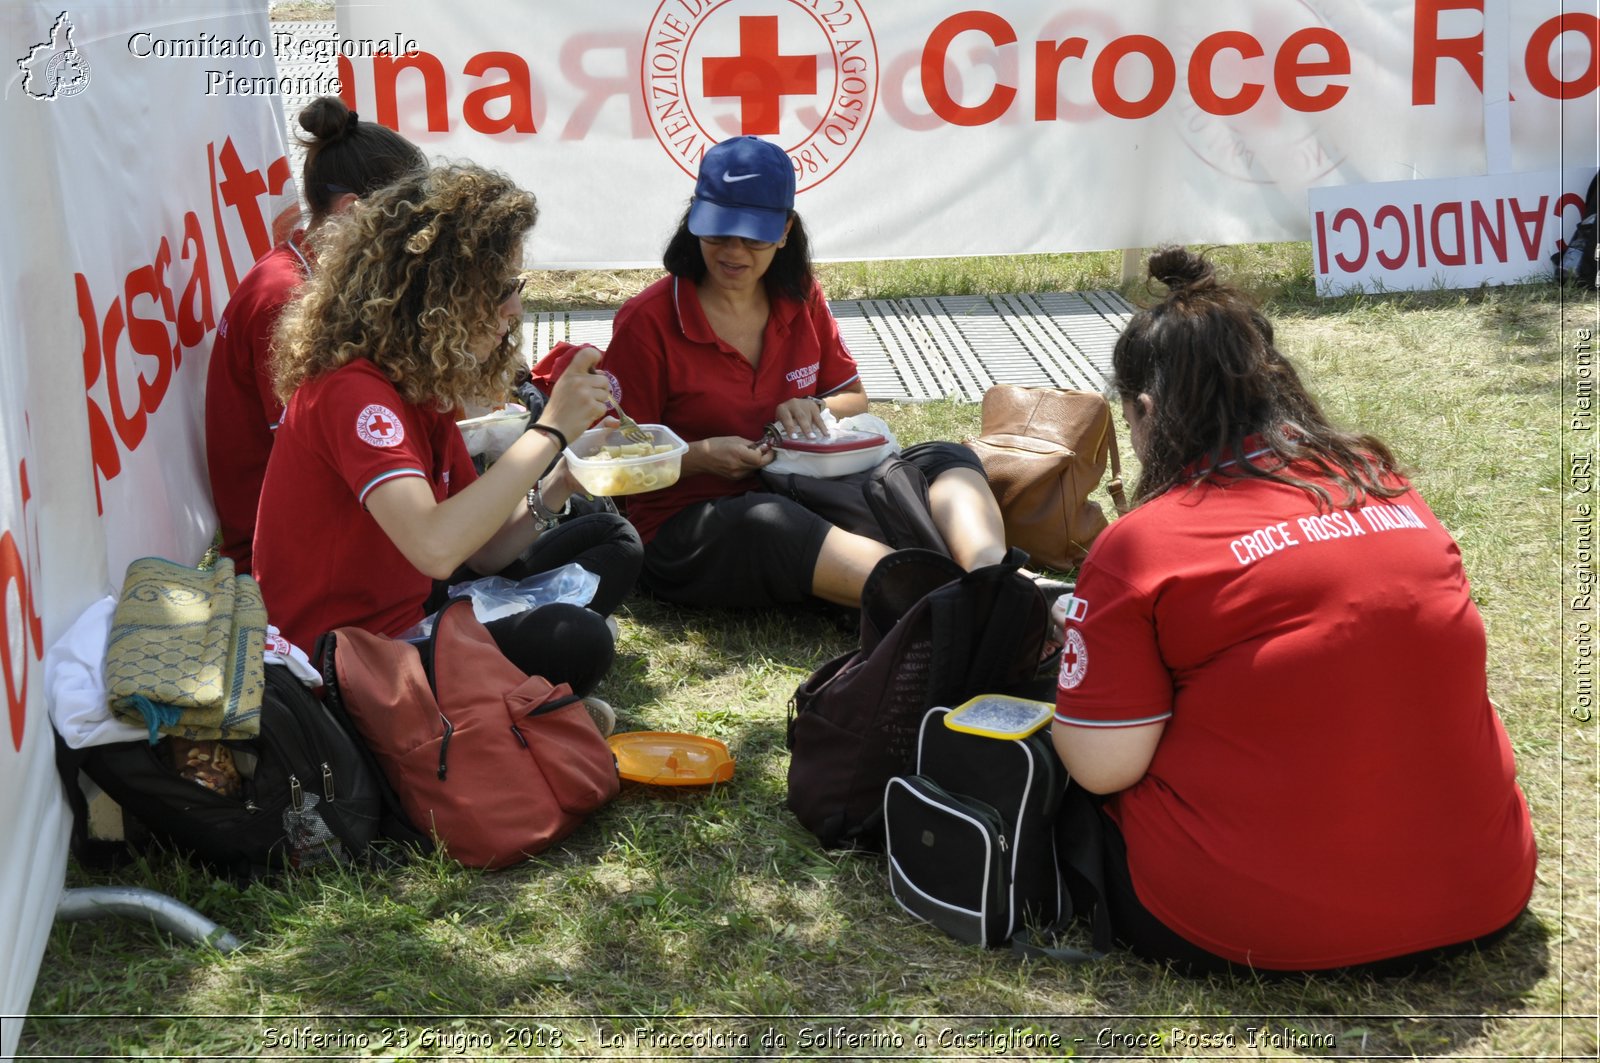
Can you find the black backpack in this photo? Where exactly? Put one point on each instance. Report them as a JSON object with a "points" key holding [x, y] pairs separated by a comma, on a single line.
{"points": [[311, 798], [971, 836], [1576, 264], [931, 634]]}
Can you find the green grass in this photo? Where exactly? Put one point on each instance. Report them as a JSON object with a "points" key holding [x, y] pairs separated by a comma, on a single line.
{"points": [[682, 904]]}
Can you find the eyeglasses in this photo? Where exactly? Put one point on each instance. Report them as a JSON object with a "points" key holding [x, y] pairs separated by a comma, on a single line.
{"points": [[513, 289], [749, 244]]}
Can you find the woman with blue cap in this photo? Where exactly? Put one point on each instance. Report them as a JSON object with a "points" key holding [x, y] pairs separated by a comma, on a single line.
{"points": [[738, 336]]}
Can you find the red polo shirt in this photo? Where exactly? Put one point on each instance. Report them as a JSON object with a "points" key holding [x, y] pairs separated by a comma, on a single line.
{"points": [[1332, 785], [321, 559], [241, 408], [672, 369]]}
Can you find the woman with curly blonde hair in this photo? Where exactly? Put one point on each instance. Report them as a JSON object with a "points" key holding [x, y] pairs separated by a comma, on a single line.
{"points": [[370, 495]]}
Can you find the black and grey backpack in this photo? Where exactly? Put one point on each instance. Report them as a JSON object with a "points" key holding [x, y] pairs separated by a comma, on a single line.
{"points": [[971, 836], [310, 798]]}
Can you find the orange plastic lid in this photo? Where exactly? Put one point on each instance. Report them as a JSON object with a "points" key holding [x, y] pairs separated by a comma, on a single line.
{"points": [[666, 758]]}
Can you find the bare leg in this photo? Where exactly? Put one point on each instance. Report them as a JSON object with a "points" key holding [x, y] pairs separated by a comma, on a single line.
{"points": [[967, 516], [843, 566]]}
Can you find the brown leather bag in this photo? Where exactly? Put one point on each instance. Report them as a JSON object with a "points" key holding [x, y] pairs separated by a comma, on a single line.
{"points": [[497, 765], [1044, 450]]}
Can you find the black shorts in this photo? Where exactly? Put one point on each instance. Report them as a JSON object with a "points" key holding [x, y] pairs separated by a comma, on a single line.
{"points": [[757, 549]]}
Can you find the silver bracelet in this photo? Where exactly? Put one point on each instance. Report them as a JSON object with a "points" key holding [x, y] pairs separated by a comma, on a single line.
{"points": [[543, 516]]}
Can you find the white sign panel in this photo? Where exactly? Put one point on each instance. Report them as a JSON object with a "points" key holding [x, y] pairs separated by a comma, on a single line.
{"points": [[1458, 233], [935, 127], [137, 191]]}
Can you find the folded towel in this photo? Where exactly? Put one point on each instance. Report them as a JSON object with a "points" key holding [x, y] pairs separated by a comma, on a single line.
{"points": [[185, 653]]}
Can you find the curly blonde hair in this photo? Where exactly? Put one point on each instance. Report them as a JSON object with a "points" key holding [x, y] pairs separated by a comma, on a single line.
{"points": [[406, 281]]}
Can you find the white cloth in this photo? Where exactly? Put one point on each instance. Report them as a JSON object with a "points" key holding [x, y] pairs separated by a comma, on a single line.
{"points": [[75, 684], [281, 651]]}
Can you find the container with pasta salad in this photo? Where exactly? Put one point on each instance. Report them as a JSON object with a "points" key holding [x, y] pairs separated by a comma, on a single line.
{"points": [[606, 463]]}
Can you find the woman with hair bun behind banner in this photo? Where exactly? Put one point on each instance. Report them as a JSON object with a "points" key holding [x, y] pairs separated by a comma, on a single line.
{"points": [[1275, 669], [346, 159]]}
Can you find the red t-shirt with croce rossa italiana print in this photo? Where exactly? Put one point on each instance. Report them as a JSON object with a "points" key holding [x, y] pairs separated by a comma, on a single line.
{"points": [[1333, 785], [321, 559]]}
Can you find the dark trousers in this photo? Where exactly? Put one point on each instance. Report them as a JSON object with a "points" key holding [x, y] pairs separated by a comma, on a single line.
{"points": [[603, 543], [1135, 928], [566, 643]]}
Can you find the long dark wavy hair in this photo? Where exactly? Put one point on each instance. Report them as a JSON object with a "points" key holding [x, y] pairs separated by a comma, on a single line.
{"points": [[790, 273], [1205, 356]]}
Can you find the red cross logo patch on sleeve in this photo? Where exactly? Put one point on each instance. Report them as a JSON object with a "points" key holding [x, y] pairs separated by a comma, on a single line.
{"points": [[1074, 660], [378, 426]]}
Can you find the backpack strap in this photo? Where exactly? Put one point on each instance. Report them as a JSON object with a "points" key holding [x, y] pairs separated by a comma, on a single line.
{"points": [[1114, 485], [1022, 944], [93, 853], [1006, 649], [1080, 853]]}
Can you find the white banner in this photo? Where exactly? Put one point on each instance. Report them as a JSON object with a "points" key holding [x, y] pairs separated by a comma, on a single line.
{"points": [[135, 199], [932, 127], [1458, 233]]}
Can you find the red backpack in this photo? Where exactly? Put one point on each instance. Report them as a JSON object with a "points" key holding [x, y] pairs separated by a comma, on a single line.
{"points": [[495, 764]]}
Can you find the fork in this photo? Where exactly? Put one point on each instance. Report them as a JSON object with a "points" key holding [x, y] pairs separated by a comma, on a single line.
{"points": [[629, 427]]}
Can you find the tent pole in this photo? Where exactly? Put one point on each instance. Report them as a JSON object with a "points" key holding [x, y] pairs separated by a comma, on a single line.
{"points": [[167, 914]]}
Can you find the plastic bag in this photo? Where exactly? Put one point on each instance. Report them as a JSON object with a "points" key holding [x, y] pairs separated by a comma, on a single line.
{"points": [[494, 597], [492, 432]]}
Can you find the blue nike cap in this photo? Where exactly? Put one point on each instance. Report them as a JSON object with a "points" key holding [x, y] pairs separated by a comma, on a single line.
{"points": [[745, 188]]}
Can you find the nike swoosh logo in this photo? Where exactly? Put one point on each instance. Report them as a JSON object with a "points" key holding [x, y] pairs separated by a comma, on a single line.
{"points": [[728, 178]]}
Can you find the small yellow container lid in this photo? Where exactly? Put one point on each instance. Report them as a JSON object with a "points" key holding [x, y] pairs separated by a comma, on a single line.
{"points": [[999, 716]]}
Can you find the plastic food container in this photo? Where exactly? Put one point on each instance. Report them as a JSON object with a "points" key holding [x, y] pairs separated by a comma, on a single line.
{"points": [[1000, 716], [495, 431], [666, 758], [841, 454], [607, 464]]}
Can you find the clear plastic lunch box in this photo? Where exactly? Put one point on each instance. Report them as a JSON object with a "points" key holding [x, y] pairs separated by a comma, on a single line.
{"points": [[606, 463]]}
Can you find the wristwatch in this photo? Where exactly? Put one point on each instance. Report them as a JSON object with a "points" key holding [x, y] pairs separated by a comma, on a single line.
{"points": [[543, 516]]}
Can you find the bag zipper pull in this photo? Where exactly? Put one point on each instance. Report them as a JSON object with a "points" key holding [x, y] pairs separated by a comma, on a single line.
{"points": [[327, 781], [297, 799], [444, 746], [518, 736]]}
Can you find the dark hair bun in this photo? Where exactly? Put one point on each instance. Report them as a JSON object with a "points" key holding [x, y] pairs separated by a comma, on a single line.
{"points": [[325, 117], [1177, 267]]}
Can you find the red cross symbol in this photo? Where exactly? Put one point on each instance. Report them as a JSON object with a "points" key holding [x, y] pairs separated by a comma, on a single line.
{"points": [[378, 426], [759, 76], [1069, 657]]}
